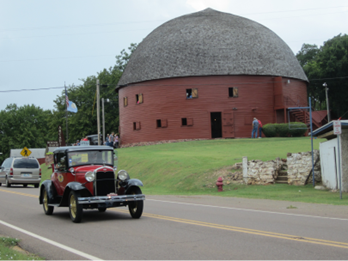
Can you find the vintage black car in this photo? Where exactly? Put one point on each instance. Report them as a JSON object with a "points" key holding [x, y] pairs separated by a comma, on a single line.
{"points": [[86, 177]]}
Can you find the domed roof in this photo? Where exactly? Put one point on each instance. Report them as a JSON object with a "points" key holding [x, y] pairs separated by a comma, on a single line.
{"points": [[211, 43]]}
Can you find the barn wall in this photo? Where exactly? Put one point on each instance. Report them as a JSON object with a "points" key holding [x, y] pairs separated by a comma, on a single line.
{"points": [[166, 100]]}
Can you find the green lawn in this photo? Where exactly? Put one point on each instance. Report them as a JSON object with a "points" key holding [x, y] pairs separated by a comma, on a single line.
{"points": [[189, 168], [8, 252]]}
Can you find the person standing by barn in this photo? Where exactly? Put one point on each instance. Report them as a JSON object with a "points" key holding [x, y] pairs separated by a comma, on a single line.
{"points": [[255, 126], [260, 128], [111, 139]]}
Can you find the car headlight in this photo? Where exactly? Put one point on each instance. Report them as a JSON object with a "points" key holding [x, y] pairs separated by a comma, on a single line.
{"points": [[122, 175], [90, 176]]}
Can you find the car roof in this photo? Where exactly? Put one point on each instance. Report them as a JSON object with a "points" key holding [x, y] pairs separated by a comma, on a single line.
{"points": [[82, 148], [93, 135]]}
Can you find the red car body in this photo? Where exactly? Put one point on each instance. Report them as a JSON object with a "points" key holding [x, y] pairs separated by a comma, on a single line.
{"points": [[84, 177]]}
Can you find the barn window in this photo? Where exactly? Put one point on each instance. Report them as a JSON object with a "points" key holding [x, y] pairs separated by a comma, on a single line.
{"points": [[186, 121], [191, 93], [139, 98], [161, 123], [233, 92], [136, 125], [125, 101]]}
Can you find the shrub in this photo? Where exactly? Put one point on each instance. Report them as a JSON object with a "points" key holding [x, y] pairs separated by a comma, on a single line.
{"points": [[297, 129], [269, 130]]}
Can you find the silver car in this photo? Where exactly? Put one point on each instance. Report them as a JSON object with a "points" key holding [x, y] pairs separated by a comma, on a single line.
{"points": [[20, 171]]}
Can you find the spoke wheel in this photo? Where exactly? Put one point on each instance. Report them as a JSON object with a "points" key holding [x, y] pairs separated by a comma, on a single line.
{"points": [[47, 209], [102, 209], [136, 207], [25, 185], [75, 209]]}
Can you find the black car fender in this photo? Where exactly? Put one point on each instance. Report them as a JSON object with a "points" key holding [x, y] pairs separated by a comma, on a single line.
{"points": [[51, 192], [73, 186], [133, 183]]}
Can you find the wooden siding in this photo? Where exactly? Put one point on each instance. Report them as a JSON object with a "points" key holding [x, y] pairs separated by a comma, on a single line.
{"points": [[166, 101]]}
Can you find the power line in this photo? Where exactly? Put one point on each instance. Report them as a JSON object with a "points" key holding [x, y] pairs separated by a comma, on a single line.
{"points": [[146, 84], [38, 89]]}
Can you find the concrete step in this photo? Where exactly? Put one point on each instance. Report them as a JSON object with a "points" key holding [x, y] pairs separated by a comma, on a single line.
{"points": [[281, 181], [282, 178], [283, 173]]}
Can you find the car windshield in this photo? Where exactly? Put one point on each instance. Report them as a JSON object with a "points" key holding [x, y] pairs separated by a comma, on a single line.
{"points": [[90, 157], [26, 163]]}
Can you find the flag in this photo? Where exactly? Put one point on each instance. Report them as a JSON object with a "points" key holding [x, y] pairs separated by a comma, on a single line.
{"points": [[66, 98], [72, 107]]}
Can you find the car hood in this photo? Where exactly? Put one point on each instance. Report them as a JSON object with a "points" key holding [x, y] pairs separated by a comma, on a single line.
{"points": [[92, 168]]}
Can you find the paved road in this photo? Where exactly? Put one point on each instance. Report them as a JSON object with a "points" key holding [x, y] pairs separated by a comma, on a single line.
{"points": [[179, 227]]}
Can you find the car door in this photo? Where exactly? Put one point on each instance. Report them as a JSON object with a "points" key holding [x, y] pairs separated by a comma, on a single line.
{"points": [[5, 167]]}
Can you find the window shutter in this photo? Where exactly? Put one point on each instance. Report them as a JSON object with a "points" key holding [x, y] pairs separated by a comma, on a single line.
{"points": [[138, 125], [189, 121], [164, 123], [140, 98], [235, 92], [195, 93], [125, 101]]}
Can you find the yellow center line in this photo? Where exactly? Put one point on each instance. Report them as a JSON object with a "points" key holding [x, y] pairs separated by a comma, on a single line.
{"points": [[246, 230], [226, 227]]}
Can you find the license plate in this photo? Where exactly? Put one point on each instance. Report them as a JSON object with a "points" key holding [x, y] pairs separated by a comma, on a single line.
{"points": [[26, 175]]}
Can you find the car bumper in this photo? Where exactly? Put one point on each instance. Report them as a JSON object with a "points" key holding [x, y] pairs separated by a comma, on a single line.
{"points": [[111, 200], [24, 180]]}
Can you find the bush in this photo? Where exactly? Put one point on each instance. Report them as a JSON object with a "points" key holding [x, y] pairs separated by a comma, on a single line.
{"points": [[297, 129], [269, 130]]}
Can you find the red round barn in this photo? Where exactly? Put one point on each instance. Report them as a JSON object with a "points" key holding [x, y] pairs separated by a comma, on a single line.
{"points": [[207, 75]]}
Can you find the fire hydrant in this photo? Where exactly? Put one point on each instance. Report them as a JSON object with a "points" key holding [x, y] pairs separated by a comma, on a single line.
{"points": [[219, 184]]}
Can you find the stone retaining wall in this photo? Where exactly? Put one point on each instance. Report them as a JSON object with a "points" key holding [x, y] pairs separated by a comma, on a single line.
{"points": [[298, 166]]}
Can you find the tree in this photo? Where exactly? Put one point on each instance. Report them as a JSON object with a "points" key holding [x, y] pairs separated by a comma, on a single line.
{"points": [[327, 64], [25, 126], [84, 122]]}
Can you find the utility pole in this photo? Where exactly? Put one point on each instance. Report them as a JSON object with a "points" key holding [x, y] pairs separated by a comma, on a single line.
{"points": [[66, 116], [327, 102], [103, 119], [98, 111]]}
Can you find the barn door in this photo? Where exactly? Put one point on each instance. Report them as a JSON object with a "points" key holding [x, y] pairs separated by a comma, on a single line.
{"points": [[228, 124]]}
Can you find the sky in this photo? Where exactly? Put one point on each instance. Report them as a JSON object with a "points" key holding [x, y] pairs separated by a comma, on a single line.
{"points": [[45, 45]]}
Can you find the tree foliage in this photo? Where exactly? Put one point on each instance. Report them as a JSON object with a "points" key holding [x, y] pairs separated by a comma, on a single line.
{"points": [[25, 126], [84, 122], [329, 64]]}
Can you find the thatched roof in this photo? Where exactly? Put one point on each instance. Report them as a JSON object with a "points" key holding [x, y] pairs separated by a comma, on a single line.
{"points": [[211, 43]]}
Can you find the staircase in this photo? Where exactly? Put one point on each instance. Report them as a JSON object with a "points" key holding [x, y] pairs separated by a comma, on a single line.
{"points": [[282, 177], [301, 115]]}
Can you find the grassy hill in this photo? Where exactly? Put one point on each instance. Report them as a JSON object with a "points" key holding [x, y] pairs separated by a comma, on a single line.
{"points": [[192, 168]]}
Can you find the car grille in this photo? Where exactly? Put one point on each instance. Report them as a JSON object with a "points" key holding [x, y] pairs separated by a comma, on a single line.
{"points": [[104, 184]]}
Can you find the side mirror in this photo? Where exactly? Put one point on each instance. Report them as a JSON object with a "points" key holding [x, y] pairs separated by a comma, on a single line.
{"points": [[62, 160]]}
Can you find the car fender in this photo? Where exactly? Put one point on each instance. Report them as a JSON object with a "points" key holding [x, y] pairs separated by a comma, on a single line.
{"points": [[133, 183], [51, 191], [73, 186]]}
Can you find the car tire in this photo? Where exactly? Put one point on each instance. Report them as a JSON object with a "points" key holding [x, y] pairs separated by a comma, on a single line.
{"points": [[136, 207], [36, 185], [47, 209], [25, 185], [101, 210], [0, 184], [75, 209], [8, 184]]}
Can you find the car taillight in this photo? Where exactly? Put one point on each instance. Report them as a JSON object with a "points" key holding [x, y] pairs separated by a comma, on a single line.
{"points": [[40, 173], [11, 171]]}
